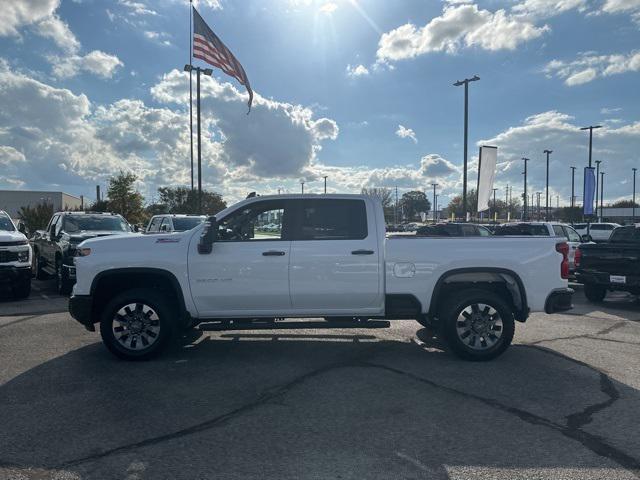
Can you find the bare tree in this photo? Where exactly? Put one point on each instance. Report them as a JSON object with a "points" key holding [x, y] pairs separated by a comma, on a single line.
{"points": [[381, 193]]}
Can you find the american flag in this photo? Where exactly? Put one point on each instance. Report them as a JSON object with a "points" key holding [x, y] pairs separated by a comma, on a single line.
{"points": [[208, 47]]}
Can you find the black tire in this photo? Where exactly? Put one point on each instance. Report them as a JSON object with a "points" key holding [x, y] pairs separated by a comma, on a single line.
{"points": [[595, 293], [37, 266], [485, 346], [64, 285], [164, 329], [22, 290]]}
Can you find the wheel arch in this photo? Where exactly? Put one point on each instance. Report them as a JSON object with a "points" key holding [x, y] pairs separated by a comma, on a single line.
{"points": [[495, 279], [111, 282]]}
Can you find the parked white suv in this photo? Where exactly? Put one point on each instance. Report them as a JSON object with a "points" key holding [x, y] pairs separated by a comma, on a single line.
{"points": [[15, 258], [328, 258], [600, 232]]}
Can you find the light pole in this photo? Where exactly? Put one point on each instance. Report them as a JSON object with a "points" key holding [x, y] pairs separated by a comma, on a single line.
{"points": [[434, 185], [633, 204], [436, 207], [573, 184], [546, 212], [525, 197], [601, 195], [207, 71], [495, 209], [591, 128], [325, 183], [598, 162], [538, 204], [302, 185], [465, 82]]}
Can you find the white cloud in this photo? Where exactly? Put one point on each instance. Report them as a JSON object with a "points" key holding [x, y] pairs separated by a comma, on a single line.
{"points": [[620, 6], [137, 8], [615, 144], [540, 9], [54, 28], [589, 66], [96, 62], [357, 71], [459, 25], [404, 132], [15, 14], [610, 110]]}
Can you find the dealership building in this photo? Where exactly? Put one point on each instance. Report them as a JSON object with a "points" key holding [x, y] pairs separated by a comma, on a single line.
{"points": [[12, 200]]}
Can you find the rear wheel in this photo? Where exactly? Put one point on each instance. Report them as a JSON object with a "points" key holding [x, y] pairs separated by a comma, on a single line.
{"points": [[137, 324], [476, 324], [595, 293], [37, 266]]}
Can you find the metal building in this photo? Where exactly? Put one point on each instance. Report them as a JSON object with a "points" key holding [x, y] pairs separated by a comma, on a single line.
{"points": [[12, 200]]}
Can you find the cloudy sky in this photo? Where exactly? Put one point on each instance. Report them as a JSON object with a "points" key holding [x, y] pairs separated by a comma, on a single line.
{"points": [[359, 90]]}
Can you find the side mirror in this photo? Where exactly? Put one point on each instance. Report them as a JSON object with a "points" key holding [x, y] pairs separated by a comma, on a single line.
{"points": [[208, 236], [163, 228], [22, 228], [586, 238], [136, 228]]}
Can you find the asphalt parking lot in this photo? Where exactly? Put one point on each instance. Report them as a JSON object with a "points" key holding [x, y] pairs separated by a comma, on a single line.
{"points": [[562, 403]]}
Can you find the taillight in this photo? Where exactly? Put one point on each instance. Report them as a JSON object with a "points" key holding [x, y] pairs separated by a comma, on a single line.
{"points": [[578, 257], [563, 248]]}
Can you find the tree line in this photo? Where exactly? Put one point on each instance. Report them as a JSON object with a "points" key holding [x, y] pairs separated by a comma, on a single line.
{"points": [[123, 198]]}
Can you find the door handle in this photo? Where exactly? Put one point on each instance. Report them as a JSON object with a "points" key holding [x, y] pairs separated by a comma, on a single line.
{"points": [[273, 253], [362, 252]]}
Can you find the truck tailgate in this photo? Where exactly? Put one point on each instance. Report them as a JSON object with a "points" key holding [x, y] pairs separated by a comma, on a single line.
{"points": [[615, 259]]}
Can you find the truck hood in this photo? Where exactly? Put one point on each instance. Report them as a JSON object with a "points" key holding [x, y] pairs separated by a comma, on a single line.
{"points": [[87, 234], [10, 237], [130, 242]]}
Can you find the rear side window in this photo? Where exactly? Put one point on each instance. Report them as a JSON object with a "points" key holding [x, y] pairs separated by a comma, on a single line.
{"points": [[522, 229], [601, 226], [331, 220], [469, 231]]}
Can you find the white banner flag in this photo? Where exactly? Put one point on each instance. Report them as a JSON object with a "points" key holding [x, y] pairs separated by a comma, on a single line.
{"points": [[486, 175]]}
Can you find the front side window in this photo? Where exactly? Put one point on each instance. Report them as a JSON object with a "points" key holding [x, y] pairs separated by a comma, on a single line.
{"points": [[166, 225], [182, 224], [469, 231], [6, 224], [331, 220], [572, 235], [154, 226], [484, 232], [257, 221], [558, 231]]}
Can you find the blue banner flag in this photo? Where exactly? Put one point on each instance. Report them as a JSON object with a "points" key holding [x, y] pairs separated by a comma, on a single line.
{"points": [[589, 190]]}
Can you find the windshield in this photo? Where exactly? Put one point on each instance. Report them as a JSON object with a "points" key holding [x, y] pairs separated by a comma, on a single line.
{"points": [[6, 224], [625, 234], [186, 223], [78, 223], [521, 229]]}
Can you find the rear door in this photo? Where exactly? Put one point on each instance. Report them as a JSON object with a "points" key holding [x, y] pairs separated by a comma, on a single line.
{"points": [[335, 258]]}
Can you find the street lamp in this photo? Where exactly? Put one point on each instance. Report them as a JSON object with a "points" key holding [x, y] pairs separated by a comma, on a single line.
{"points": [[601, 195], [573, 183], [546, 213], [302, 185], [495, 208], [598, 162], [465, 82], [207, 71], [633, 204], [325, 183], [524, 211], [434, 185], [538, 204]]}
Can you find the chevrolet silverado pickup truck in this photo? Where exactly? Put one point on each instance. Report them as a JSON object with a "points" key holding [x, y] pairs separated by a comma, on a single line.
{"points": [[54, 247], [15, 258], [328, 258], [614, 265]]}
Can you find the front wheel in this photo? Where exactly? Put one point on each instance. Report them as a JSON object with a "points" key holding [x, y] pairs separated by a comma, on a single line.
{"points": [[64, 285], [23, 289], [476, 324], [137, 324], [595, 293]]}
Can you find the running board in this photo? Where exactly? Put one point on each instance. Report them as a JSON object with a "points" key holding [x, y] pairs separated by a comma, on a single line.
{"points": [[227, 325]]}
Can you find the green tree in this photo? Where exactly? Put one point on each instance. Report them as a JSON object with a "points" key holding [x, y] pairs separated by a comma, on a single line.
{"points": [[36, 217], [623, 204], [185, 200], [124, 198], [414, 202], [570, 214], [455, 205]]}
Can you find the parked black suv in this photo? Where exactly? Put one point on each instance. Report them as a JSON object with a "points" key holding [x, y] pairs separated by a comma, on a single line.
{"points": [[55, 247]]}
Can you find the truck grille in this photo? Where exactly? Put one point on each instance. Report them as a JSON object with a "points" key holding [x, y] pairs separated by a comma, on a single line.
{"points": [[8, 256]]}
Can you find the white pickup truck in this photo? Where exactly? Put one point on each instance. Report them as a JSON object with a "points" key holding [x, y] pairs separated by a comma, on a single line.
{"points": [[327, 257]]}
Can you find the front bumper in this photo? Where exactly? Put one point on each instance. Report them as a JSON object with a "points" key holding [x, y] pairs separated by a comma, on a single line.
{"points": [[80, 308], [10, 274], [559, 300]]}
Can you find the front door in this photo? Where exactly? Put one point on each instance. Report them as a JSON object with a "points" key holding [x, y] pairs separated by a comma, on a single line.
{"points": [[335, 258], [247, 273]]}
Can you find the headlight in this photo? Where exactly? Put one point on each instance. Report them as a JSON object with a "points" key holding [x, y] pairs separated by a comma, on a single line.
{"points": [[23, 256], [82, 251]]}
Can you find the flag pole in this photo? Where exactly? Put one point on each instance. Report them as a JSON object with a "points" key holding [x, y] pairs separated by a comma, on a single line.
{"points": [[191, 87]]}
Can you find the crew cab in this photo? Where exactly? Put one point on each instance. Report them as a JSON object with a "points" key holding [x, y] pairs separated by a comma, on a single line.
{"points": [[15, 258], [328, 258], [55, 247], [614, 265]]}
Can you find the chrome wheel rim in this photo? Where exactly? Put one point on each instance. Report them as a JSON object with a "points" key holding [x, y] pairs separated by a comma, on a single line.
{"points": [[479, 326], [136, 326]]}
